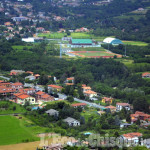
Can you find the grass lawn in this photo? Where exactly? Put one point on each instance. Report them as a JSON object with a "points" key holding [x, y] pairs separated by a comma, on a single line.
{"points": [[12, 108], [136, 43], [21, 47], [97, 54], [13, 131], [127, 62], [89, 49]]}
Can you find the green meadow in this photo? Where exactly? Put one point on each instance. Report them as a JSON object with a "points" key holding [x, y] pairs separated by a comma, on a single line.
{"points": [[11, 108], [136, 43], [12, 131], [21, 47]]}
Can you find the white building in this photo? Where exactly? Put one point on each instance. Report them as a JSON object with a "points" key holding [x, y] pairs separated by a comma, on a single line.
{"points": [[29, 39], [72, 122], [120, 106]]}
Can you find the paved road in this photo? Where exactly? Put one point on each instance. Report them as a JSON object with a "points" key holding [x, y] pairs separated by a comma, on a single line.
{"points": [[5, 78], [63, 96]]}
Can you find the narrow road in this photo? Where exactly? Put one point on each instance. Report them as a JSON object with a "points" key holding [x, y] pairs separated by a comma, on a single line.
{"points": [[63, 96]]}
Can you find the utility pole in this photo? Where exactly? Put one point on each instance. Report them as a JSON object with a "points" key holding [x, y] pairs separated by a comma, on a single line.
{"points": [[125, 51], [60, 51]]}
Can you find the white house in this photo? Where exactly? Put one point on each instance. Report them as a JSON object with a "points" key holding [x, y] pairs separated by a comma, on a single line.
{"points": [[72, 122], [120, 106], [31, 78], [131, 139]]}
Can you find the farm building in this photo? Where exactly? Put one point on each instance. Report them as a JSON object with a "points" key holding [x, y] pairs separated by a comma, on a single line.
{"points": [[112, 41]]}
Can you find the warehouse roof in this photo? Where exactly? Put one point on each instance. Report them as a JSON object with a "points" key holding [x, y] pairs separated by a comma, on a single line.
{"points": [[81, 41]]}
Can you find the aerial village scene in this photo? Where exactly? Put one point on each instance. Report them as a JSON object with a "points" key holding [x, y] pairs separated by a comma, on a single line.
{"points": [[69, 84]]}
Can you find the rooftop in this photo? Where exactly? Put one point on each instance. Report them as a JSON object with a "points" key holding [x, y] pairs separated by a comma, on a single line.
{"points": [[81, 41]]}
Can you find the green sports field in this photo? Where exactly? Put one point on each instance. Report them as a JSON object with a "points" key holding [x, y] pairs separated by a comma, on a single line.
{"points": [[97, 54], [12, 131]]}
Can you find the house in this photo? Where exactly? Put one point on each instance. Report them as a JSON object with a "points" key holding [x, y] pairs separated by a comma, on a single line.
{"points": [[40, 29], [146, 143], [16, 72], [69, 84], [30, 72], [124, 125], [19, 19], [53, 87], [37, 76], [22, 98], [90, 93], [120, 106], [7, 91], [112, 108], [107, 100], [17, 85], [43, 96], [52, 112], [29, 40], [72, 122], [146, 75], [29, 91], [70, 80], [139, 115], [78, 105], [53, 147], [86, 88], [31, 77], [132, 139]]}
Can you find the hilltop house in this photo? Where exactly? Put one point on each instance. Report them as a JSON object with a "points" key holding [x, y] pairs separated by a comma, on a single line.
{"points": [[146, 75], [72, 122], [53, 87], [120, 106], [107, 100], [43, 96], [21, 98], [139, 115], [52, 112], [78, 105], [112, 108], [17, 85], [131, 139]]}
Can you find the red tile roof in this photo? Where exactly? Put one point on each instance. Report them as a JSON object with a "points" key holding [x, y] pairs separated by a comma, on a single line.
{"points": [[86, 87], [17, 84], [69, 83], [40, 93], [78, 104], [132, 135], [23, 96], [111, 107], [90, 92], [55, 86], [71, 78], [123, 104], [145, 74]]}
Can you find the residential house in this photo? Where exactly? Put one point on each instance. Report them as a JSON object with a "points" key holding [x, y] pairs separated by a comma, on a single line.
{"points": [[29, 91], [40, 29], [19, 19], [112, 108], [124, 125], [146, 143], [30, 72], [7, 91], [86, 88], [90, 93], [21, 98], [52, 112], [43, 96], [69, 84], [146, 75], [132, 139], [17, 85], [78, 105], [53, 87], [31, 78], [107, 100], [70, 80], [139, 115], [16, 72], [37, 76], [72, 122], [120, 106]]}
